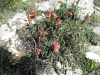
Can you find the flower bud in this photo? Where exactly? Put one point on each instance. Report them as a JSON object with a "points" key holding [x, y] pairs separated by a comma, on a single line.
{"points": [[58, 22]]}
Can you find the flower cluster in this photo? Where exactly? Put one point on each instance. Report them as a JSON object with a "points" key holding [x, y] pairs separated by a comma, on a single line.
{"points": [[32, 15], [49, 29], [52, 14]]}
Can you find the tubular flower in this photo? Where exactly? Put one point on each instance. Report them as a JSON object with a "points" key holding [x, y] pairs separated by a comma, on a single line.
{"points": [[48, 15], [30, 18], [88, 17], [54, 15], [58, 22], [32, 12], [42, 34], [69, 13], [56, 47], [38, 51]]}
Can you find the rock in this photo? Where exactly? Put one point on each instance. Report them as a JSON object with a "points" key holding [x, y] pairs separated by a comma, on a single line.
{"points": [[93, 48], [8, 35], [85, 6], [58, 65], [69, 71], [49, 70], [43, 6], [73, 72], [96, 30], [77, 72], [93, 56]]}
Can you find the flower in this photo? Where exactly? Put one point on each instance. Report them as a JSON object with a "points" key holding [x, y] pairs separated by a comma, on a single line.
{"points": [[58, 22], [48, 15], [88, 17], [38, 51], [42, 34], [32, 12], [54, 15], [69, 13], [56, 47], [30, 18], [48, 10]]}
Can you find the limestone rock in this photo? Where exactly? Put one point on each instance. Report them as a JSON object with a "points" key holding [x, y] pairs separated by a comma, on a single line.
{"points": [[8, 35], [93, 56], [49, 70], [85, 6]]}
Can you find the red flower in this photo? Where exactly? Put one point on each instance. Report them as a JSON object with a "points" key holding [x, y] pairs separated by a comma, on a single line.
{"points": [[69, 13], [32, 12], [42, 34], [48, 15], [54, 15], [38, 51], [56, 47], [58, 22], [88, 17]]}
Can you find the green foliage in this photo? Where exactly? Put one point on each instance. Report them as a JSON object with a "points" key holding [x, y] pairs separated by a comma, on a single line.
{"points": [[96, 17], [11, 8], [97, 3], [6, 4]]}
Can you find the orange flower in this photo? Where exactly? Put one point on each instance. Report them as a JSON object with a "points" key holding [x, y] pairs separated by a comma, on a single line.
{"points": [[69, 13], [32, 12], [48, 15], [54, 15], [30, 18], [38, 51], [58, 22], [56, 47]]}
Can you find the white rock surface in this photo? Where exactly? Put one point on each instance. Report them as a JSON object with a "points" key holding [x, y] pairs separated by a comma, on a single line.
{"points": [[85, 6], [93, 56], [58, 65], [93, 48], [96, 30], [43, 5], [8, 32]]}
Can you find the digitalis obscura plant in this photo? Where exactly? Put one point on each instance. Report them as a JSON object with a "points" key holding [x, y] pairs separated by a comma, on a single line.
{"points": [[59, 35]]}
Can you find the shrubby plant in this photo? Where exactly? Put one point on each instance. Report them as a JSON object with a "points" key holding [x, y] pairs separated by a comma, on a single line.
{"points": [[60, 36]]}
